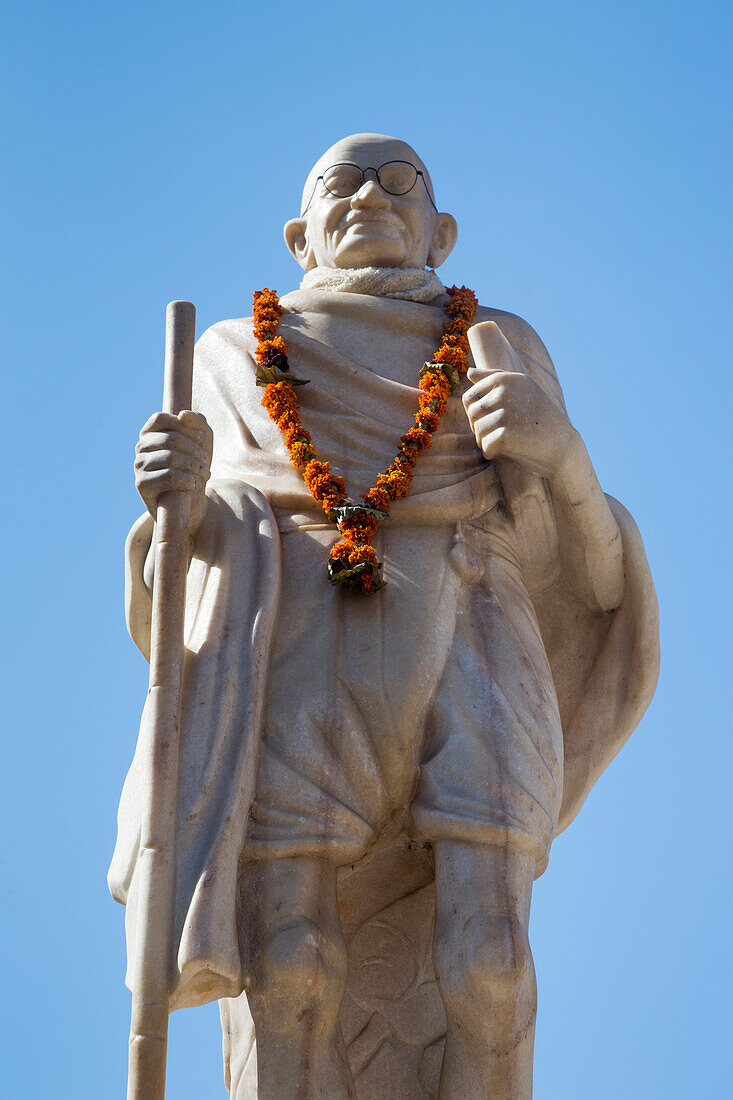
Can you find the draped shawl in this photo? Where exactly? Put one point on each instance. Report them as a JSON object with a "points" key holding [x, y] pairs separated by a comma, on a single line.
{"points": [[362, 355]]}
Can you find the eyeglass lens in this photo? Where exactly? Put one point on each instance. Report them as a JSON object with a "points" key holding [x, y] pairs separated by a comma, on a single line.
{"points": [[396, 177]]}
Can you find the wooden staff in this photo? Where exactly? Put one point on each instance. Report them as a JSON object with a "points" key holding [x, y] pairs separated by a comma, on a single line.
{"points": [[156, 868]]}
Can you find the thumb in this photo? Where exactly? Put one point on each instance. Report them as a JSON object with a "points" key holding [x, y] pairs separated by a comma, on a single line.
{"points": [[491, 351]]}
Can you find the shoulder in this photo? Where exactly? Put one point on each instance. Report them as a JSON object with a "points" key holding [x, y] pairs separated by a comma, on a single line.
{"points": [[234, 333], [518, 332], [224, 364]]}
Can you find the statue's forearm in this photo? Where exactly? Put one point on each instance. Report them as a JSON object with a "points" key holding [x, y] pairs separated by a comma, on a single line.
{"points": [[590, 540]]}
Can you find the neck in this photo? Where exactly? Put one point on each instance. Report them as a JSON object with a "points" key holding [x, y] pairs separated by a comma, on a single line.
{"points": [[411, 284]]}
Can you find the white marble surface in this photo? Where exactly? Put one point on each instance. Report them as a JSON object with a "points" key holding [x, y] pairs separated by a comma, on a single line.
{"points": [[370, 786]]}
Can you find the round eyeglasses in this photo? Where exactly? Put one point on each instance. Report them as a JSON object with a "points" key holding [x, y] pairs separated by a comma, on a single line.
{"points": [[396, 177]]}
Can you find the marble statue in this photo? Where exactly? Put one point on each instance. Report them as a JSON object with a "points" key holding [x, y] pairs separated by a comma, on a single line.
{"points": [[369, 785]]}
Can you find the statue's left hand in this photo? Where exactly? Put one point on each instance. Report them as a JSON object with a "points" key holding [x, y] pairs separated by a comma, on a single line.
{"points": [[511, 416]]}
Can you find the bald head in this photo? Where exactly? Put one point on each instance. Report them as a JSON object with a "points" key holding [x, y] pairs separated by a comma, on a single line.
{"points": [[368, 151], [371, 227]]}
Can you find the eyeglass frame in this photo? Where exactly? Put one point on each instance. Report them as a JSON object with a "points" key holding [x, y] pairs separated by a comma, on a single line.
{"points": [[376, 172]]}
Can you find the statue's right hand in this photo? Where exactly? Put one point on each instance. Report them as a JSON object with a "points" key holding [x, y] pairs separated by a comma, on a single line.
{"points": [[174, 452]]}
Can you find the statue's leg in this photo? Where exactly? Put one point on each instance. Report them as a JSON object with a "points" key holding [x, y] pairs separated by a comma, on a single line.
{"points": [[297, 976], [484, 969]]}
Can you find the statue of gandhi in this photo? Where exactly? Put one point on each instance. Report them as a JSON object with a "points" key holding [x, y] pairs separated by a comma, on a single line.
{"points": [[454, 721]]}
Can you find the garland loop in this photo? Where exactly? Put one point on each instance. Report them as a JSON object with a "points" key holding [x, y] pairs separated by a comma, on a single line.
{"points": [[352, 563]]}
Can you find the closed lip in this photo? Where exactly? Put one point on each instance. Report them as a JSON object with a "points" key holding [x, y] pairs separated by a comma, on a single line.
{"points": [[379, 217], [372, 223]]}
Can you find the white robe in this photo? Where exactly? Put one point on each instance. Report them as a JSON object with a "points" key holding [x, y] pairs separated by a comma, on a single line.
{"points": [[475, 696]]}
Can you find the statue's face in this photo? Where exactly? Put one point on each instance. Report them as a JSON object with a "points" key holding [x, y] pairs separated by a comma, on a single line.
{"points": [[370, 228]]}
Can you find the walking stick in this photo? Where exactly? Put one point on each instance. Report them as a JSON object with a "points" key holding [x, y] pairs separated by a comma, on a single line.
{"points": [[156, 869]]}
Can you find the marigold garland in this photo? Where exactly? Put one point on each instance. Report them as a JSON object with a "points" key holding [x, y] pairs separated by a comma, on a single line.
{"points": [[352, 562]]}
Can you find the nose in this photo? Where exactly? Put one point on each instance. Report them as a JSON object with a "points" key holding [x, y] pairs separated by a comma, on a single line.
{"points": [[370, 194]]}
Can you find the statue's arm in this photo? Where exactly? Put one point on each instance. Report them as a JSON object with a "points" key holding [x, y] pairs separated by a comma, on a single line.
{"points": [[179, 453], [588, 535], [516, 415]]}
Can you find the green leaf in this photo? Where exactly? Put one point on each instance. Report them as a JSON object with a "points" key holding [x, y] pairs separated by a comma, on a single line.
{"points": [[267, 376], [351, 578], [349, 510], [449, 371]]}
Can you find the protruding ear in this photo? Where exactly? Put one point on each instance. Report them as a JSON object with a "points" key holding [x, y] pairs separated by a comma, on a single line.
{"points": [[444, 237], [296, 238]]}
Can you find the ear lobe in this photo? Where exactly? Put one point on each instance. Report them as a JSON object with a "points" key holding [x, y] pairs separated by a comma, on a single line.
{"points": [[444, 237], [296, 238]]}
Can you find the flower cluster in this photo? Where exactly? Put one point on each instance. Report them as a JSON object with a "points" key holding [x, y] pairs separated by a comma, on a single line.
{"points": [[353, 563], [461, 306], [266, 313]]}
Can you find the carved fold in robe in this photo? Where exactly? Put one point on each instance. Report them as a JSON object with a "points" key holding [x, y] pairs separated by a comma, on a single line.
{"points": [[475, 697]]}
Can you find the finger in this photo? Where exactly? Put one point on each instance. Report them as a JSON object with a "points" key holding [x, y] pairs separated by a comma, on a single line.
{"points": [[171, 460], [172, 441], [492, 401], [166, 481], [491, 350], [495, 443], [486, 425], [160, 422], [193, 421], [485, 384]]}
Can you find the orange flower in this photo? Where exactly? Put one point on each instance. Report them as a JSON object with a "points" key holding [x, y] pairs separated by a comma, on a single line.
{"points": [[428, 420], [433, 401], [417, 438], [359, 528], [396, 482], [345, 557], [461, 302], [275, 344], [266, 312], [377, 498], [294, 432], [301, 454], [279, 398], [435, 383], [359, 554], [289, 424], [454, 356], [350, 556], [456, 340], [323, 486], [339, 551], [265, 301], [407, 458]]}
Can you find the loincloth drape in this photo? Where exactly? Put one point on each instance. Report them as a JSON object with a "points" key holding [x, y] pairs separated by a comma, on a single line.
{"points": [[433, 703]]}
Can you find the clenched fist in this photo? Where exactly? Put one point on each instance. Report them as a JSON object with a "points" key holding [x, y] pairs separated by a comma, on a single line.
{"points": [[174, 452], [511, 416]]}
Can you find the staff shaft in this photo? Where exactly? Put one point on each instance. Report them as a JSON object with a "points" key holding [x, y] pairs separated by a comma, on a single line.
{"points": [[156, 870]]}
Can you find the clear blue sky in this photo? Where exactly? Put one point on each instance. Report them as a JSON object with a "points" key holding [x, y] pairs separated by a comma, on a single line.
{"points": [[153, 151]]}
